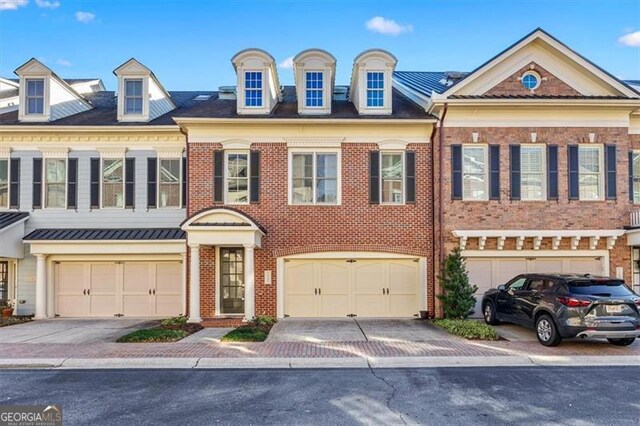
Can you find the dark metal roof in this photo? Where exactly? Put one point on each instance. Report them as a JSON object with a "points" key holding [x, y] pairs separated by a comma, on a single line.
{"points": [[130, 234], [9, 218], [423, 82], [535, 97]]}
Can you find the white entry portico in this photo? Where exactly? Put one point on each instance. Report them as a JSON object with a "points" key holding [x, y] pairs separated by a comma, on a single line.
{"points": [[226, 229]]}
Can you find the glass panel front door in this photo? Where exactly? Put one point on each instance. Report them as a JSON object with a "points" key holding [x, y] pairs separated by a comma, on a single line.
{"points": [[232, 280], [4, 280]]}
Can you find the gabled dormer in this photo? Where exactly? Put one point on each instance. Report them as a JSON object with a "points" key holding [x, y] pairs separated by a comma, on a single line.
{"points": [[258, 85], [314, 73], [44, 96], [371, 82], [141, 97]]}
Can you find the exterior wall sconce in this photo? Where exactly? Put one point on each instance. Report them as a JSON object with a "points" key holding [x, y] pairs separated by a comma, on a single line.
{"points": [[475, 136]]}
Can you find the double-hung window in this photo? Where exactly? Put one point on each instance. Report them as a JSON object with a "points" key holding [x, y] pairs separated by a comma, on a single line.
{"points": [[314, 89], [35, 96], [169, 185], [314, 177], [590, 176], [635, 170], [392, 177], [375, 89], [133, 96], [237, 177], [4, 183], [55, 183], [475, 176], [532, 172], [253, 89], [113, 182]]}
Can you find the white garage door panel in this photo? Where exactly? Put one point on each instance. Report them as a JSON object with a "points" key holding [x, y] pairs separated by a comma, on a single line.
{"points": [[142, 289], [358, 287], [488, 273]]}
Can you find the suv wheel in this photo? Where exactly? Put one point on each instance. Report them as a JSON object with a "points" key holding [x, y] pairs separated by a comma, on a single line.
{"points": [[622, 342], [547, 331], [489, 314]]}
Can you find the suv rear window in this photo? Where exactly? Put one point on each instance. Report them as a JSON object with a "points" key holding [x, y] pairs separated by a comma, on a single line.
{"points": [[600, 288]]}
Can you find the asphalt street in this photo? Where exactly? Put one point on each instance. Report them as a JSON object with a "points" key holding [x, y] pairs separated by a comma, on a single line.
{"points": [[439, 396]]}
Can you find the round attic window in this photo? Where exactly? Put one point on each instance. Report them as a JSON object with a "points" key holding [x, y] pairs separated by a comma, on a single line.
{"points": [[530, 80]]}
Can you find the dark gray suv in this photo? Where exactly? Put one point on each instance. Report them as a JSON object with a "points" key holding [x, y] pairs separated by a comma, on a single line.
{"points": [[560, 306]]}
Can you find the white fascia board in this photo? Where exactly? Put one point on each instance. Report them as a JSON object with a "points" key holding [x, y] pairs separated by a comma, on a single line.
{"points": [[108, 247], [75, 129], [514, 233], [193, 120]]}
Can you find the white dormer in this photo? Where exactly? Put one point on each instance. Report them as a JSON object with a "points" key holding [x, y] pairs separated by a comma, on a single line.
{"points": [[141, 97], [314, 73], [371, 82], [258, 84], [44, 96]]}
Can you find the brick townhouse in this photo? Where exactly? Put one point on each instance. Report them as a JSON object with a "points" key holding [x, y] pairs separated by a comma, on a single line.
{"points": [[317, 199]]}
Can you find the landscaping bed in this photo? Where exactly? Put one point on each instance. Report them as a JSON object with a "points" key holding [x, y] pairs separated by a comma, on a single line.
{"points": [[468, 329], [15, 319], [255, 330], [169, 330]]}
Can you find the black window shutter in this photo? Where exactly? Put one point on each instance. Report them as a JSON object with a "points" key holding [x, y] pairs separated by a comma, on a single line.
{"points": [[410, 162], [152, 173], [631, 176], [129, 183], [552, 172], [254, 177], [374, 177], [514, 168], [95, 183], [14, 184], [574, 185], [456, 172], [184, 182], [37, 183], [610, 167], [72, 183], [494, 172], [218, 176]]}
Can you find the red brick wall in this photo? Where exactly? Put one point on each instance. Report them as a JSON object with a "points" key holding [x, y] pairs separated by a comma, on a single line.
{"points": [[353, 225], [552, 86]]}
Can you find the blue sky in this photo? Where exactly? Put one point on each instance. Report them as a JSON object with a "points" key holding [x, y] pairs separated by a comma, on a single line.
{"points": [[188, 44]]}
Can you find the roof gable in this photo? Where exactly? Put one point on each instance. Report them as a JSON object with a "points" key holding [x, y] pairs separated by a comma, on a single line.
{"points": [[575, 72], [550, 84]]}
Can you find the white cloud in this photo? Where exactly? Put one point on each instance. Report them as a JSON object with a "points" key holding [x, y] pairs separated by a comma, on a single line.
{"points": [[46, 4], [12, 4], [64, 62], [85, 17], [287, 63], [631, 39], [381, 25]]}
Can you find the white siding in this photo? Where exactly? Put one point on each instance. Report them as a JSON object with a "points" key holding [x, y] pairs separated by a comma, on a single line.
{"points": [[63, 102], [159, 103], [26, 289]]}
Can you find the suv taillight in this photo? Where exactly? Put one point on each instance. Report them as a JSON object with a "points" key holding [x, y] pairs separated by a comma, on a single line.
{"points": [[638, 303], [573, 303]]}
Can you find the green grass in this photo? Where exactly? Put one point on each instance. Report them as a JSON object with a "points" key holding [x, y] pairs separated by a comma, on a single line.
{"points": [[468, 329], [245, 334], [153, 335]]}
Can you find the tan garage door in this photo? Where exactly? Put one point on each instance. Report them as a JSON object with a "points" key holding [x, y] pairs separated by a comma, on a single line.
{"points": [[104, 289], [488, 273], [341, 287]]}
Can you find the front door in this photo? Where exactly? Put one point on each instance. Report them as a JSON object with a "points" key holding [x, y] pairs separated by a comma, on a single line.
{"points": [[4, 280], [232, 280]]}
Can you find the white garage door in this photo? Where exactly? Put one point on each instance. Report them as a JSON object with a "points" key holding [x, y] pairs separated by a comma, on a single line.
{"points": [[363, 287], [488, 273], [104, 289]]}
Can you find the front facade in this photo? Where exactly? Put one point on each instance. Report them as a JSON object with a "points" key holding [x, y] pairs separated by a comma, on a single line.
{"points": [[314, 200]]}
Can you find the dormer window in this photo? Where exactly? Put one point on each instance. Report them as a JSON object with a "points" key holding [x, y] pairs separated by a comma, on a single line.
{"points": [[133, 96], [314, 89], [35, 96], [375, 89], [253, 89], [258, 85], [371, 87]]}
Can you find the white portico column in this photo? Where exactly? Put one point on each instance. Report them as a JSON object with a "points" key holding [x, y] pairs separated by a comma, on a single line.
{"points": [[249, 284], [194, 284], [41, 286]]}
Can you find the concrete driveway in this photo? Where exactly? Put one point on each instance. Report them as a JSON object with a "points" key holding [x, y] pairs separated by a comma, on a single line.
{"points": [[353, 330], [67, 330]]}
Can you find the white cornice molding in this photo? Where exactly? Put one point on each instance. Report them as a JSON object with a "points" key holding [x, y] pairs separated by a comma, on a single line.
{"points": [[169, 152], [57, 139], [54, 152], [314, 142], [111, 152]]}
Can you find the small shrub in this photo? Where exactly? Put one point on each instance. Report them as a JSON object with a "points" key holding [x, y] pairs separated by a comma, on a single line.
{"points": [[457, 294], [153, 335], [264, 320], [245, 334], [468, 329], [174, 322]]}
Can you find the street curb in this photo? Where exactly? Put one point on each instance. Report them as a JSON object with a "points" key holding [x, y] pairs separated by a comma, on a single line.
{"points": [[300, 363]]}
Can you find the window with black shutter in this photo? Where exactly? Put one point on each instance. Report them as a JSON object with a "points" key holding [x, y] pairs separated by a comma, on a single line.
{"points": [[374, 177], [254, 177], [129, 182], [14, 183], [456, 172], [574, 173], [94, 183], [72, 183], [494, 172], [152, 182], [218, 176], [184, 182], [37, 183], [610, 167], [514, 171], [552, 172], [410, 166]]}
